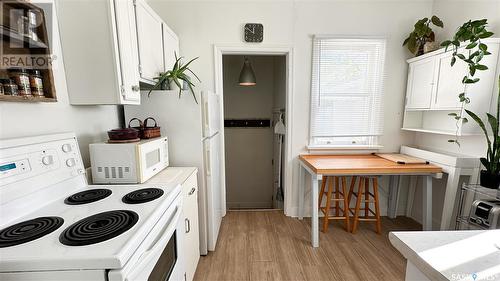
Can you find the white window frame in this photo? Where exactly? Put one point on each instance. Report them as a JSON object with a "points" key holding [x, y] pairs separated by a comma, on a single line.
{"points": [[373, 146]]}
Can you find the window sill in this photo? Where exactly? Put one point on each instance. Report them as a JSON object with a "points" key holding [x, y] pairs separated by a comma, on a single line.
{"points": [[344, 147]]}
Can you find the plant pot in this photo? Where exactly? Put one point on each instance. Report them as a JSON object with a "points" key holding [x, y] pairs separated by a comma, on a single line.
{"points": [[430, 46], [165, 85], [174, 87], [489, 180]]}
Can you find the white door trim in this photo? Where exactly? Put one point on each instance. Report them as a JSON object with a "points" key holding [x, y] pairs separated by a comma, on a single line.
{"points": [[219, 51]]}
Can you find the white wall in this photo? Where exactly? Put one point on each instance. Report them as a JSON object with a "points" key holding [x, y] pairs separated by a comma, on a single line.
{"points": [[249, 151], [454, 13], [201, 24], [90, 123]]}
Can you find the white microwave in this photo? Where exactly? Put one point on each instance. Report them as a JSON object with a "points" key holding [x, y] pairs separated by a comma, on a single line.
{"points": [[128, 162]]}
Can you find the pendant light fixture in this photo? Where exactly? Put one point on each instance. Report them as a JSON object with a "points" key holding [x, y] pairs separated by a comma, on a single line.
{"points": [[247, 76]]}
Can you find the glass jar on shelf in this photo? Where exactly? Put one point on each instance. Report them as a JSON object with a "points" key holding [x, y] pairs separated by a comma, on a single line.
{"points": [[9, 87], [479, 208], [21, 78], [36, 83]]}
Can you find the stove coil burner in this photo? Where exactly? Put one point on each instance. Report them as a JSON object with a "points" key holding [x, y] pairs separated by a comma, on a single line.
{"points": [[98, 228], [87, 196], [28, 230], [142, 195]]}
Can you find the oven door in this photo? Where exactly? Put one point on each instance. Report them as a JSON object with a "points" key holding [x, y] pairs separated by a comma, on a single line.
{"points": [[153, 157], [160, 260]]}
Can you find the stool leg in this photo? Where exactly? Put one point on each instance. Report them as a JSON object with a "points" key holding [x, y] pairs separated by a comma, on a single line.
{"points": [[367, 196], [351, 188], [327, 207], [377, 210], [358, 204], [346, 205], [322, 191], [337, 196]]}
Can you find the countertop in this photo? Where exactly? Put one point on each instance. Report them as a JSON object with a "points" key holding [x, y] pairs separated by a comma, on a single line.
{"points": [[452, 255], [172, 174]]}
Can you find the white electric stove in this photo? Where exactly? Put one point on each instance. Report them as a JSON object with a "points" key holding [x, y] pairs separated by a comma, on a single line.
{"points": [[53, 226]]}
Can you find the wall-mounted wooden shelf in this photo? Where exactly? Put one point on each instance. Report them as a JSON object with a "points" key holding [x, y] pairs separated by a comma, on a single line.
{"points": [[16, 38], [26, 99], [20, 46]]}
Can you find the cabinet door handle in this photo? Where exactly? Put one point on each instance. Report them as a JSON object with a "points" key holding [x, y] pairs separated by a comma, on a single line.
{"points": [[191, 192], [136, 88], [188, 225]]}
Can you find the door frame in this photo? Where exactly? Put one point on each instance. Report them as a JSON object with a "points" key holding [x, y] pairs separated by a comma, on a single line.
{"points": [[287, 51]]}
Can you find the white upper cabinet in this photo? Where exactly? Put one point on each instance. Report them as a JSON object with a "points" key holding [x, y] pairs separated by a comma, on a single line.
{"points": [[119, 46], [127, 42], [434, 86], [150, 42], [170, 47], [420, 84], [449, 82]]}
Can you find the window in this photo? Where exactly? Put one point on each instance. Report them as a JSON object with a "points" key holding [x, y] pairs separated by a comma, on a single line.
{"points": [[346, 92]]}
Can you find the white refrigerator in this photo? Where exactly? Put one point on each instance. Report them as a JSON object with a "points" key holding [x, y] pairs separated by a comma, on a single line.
{"points": [[194, 139]]}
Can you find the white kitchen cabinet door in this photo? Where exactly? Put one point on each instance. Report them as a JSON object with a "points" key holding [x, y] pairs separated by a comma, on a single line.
{"points": [[127, 45], [170, 47], [449, 84], [150, 42], [101, 67], [191, 236], [420, 84]]}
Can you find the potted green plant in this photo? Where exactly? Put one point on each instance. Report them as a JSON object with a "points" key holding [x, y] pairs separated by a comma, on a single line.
{"points": [[422, 34], [490, 176], [175, 78], [470, 35]]}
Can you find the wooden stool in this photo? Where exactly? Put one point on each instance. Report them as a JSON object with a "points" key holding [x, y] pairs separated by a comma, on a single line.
{"points": [[364, 189], [339, 190]]}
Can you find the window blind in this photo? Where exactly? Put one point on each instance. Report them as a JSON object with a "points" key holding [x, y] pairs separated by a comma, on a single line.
{"points": [[347, 91]]}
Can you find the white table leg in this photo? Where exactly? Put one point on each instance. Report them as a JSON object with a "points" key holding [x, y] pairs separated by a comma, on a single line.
{"points": [[393, 197], [314, 211], [301, 191], [411, 195], [449, 197], [427, 203]]}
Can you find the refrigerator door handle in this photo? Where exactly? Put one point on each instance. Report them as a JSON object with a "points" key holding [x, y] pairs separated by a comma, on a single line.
{"points": [[206, 116], [207, 160]]}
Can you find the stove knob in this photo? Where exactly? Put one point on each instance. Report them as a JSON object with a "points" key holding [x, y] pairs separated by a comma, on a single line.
{"points": [[66, 147], [70, 162], [47, 160]]}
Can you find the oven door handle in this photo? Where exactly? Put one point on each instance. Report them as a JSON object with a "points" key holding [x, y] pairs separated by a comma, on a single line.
{"points": [[168, 228], [153, 252]]}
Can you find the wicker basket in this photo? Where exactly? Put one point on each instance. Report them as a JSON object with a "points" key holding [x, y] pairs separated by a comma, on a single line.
{"points": [[140, 127], [145, 131], [150, 132]]}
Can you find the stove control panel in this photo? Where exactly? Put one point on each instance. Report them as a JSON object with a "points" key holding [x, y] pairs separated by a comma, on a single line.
{"points": [[41, 161], [12, 168], [28, 166]]}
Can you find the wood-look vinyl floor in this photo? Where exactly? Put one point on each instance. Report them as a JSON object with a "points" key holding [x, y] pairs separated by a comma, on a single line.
{"points": [[267, 245]]}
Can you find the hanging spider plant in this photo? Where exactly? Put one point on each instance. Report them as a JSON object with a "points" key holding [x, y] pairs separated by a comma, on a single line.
{"points": [[178, 76]]}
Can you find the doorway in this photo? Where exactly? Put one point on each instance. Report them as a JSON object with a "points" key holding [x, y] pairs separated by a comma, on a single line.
{"points": [[287, 52], [254, 130]]}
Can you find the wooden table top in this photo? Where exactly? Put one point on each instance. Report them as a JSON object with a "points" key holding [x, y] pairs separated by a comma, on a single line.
{"points": [[364, 164]]}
